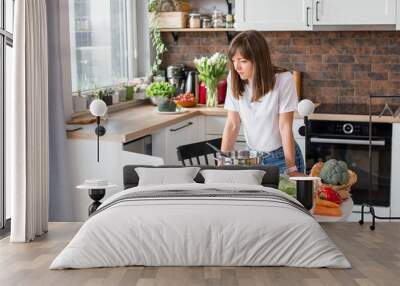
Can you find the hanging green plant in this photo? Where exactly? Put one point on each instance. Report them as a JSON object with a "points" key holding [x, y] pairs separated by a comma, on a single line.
{"points": [[155, 36]]}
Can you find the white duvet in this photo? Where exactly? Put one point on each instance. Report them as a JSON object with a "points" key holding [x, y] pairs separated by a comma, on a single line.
{"points": [[200, 231]]}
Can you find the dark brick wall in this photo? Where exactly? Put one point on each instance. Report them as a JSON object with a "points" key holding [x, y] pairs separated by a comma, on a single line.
{"points": [[338, 67]]}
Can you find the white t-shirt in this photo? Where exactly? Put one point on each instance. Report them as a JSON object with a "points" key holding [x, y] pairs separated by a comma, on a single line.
{"points": [[261, 119]]}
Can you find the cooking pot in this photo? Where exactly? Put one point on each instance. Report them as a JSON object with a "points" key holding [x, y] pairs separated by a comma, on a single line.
{"points": [[241, 158]]}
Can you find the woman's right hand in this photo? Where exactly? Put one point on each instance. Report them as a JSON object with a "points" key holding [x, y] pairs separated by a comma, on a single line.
{"points": [[231, 131]]}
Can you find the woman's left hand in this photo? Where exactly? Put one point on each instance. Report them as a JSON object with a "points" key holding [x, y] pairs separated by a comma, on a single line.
{"points": [[297, 174]]}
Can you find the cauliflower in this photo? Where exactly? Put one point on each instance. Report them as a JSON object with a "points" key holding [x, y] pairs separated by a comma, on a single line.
{"points": [[334, 172]]}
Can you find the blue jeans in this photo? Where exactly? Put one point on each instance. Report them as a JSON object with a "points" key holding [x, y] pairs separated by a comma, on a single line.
{"points": [[277, 158]]}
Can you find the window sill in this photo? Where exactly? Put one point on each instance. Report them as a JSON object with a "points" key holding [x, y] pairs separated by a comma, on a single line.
{"points": [[110, 109]]}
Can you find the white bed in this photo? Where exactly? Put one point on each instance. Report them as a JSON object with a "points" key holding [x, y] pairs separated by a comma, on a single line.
{"points": [[189, 231]]}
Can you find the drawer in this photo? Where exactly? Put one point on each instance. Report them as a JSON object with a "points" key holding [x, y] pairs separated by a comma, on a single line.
{"points": [[215, 125]]}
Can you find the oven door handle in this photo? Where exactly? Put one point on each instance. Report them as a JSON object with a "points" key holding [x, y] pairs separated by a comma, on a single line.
{"points": [[347, 141]]}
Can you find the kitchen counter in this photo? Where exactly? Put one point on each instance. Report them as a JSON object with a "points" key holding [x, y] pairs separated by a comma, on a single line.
{"points": [[135, 122]]}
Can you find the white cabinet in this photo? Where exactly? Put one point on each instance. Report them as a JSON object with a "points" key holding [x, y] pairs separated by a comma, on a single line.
{"points": [[398, 15], [354, 12], [178, 134], [302, 15], [214, 128], [272, 15], [82, 165]]}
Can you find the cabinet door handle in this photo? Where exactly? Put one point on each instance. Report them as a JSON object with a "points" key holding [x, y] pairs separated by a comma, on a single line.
{"points": [[179, 128], [307, 11], [240, 141], [316, 11]]}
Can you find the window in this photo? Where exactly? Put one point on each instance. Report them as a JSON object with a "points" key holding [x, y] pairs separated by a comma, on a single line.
{"points": [[101, 37], [6, 60]]}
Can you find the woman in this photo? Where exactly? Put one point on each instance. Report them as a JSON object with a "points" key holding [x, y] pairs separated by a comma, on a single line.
{"points": [[263, 97]]}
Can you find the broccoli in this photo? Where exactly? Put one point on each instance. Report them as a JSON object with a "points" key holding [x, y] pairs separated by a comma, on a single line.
{"points": [[334, 172]]}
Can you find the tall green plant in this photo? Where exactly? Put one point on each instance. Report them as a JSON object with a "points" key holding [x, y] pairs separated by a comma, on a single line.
{"points": [[155, 36]]}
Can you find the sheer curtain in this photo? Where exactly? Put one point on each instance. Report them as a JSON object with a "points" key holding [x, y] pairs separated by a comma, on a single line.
{"points": [[28, 123]]}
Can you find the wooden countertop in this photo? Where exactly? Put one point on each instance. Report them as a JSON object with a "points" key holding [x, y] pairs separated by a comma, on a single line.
{"points": [[135, 122]]}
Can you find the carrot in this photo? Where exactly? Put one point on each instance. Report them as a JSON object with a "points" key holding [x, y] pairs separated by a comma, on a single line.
{"points": [[320, 210], [328, 204]]}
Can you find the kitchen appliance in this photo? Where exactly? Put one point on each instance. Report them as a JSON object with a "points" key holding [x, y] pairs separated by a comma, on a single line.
{"points": [[349, 141], [176, 77], [192, 83]]}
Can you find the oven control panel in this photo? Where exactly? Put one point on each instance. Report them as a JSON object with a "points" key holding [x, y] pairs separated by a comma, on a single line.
{"points": [[350, 128], [343, 128]]}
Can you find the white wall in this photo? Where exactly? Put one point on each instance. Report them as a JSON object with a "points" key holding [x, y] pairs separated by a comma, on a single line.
{"points": [[208, 5]]}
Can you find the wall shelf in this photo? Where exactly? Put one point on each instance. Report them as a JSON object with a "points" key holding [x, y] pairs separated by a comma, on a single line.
{"points": [[230, 32], [198, 30]]}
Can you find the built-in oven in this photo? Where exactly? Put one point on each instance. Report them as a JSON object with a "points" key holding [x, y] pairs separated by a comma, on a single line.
{"points": [[349, 141]]}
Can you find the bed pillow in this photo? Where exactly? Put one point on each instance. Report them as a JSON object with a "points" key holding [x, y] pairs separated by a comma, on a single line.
{"points": [[248, 177], [166, 176]]}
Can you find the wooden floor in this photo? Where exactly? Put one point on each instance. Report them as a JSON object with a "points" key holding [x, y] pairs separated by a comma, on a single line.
{"points": [[375, 257]]}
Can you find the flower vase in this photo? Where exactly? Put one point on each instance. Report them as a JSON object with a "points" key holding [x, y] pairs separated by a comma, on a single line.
{"points": [[212, 99]]}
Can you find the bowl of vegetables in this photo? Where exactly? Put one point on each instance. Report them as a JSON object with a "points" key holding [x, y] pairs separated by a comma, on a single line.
{"points": [[336, 175], [161, 94], [185, 100]]}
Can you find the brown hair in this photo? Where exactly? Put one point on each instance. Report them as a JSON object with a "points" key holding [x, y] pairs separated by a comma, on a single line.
{"points": [[253, 47]]}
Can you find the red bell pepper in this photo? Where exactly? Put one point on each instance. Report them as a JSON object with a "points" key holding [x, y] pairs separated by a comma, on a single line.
{"points": [[329, 194]]}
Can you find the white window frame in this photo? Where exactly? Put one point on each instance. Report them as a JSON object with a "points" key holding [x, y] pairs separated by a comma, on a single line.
{"points": [[6, 40]]}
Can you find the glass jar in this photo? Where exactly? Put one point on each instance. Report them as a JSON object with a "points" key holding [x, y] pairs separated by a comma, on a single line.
{"points": [[205, 21], [218, 19], [194, 20], [229, 21]]}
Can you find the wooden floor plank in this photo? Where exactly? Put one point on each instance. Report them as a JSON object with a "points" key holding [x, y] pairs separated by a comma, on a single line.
{"points": [[375, 258]]}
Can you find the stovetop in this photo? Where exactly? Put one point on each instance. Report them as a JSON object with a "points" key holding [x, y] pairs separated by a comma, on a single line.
{"points": [[356, 109]]}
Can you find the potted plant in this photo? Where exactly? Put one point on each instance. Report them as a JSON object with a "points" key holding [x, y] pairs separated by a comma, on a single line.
{"points": [[163, 91], [78, 102], [108, 96], [130, 90], [121, 91], [101, 94]]}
